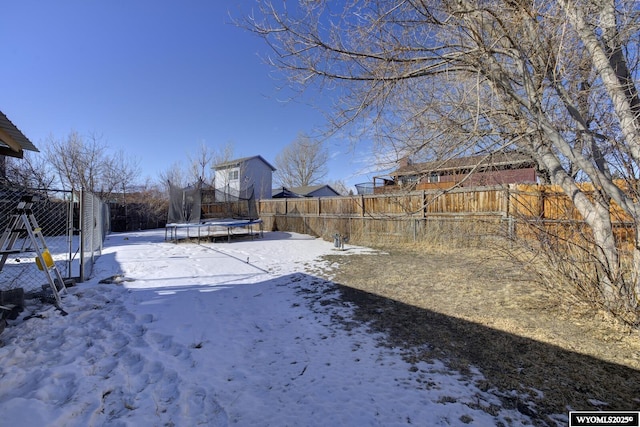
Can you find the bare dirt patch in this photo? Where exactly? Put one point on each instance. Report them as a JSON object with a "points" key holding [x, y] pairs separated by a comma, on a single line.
{"points": [[472, 308]]}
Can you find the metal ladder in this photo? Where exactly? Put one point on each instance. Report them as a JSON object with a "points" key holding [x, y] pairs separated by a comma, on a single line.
{"points": [[23, 225]]}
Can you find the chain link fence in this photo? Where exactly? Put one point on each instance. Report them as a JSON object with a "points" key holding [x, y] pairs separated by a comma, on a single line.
{"points": [[94, 226], [73, 231]]}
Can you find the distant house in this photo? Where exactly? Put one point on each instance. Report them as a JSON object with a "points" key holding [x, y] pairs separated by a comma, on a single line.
{"points": [[12, 143], [240, 175], [306, 191], [493, 169]]}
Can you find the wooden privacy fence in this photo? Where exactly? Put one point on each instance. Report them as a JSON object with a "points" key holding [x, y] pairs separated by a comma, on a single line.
{"points": [[464, 212]]}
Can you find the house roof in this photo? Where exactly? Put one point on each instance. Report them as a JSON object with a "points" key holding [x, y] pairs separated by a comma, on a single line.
{"points": [[12, 141], [283, 193], [308, 189], [495, 160], [237, 162], [304, 191]]}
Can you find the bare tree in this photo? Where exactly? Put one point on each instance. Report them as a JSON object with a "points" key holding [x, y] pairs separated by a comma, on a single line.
{"points": [[222, 155], [553, 79], [301, 163], [32, 171], [341, 187], [85, 163], [201, 165], [74, 160], [119, 175], [174, 175], [150, 206]]}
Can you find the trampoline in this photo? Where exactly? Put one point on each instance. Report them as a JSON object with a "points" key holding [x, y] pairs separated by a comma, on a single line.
{"points": [[213, 228]]}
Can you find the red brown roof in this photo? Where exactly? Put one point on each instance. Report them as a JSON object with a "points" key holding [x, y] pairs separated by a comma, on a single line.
{"points": [[499, 160]]}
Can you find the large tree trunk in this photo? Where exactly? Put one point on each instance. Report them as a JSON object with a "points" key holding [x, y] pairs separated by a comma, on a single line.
{"points": [[597, 216], [636, 267], [611, 65], [608, 267]]}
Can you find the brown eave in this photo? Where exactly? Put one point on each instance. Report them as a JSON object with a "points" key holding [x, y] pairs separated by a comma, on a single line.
{"points": [[12, 140]]}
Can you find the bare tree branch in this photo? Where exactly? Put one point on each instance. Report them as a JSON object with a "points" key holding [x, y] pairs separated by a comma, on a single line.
{"points": [[556, 79], [302, 163]]}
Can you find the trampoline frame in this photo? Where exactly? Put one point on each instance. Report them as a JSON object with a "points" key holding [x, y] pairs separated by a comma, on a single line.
{"points": [[171, 230]]}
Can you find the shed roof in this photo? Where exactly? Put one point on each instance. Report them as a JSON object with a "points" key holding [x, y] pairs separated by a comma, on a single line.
{"points": [[12, 140], [237, 162]]}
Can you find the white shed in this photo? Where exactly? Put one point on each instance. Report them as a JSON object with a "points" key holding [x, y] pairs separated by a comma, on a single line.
{"points": [[236, 176]]}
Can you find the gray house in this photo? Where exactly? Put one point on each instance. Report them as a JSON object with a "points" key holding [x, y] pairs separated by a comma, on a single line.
{"points": [[237, 176]]}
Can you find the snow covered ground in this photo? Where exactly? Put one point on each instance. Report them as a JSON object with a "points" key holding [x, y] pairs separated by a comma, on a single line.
{"points": [[215, 335]]}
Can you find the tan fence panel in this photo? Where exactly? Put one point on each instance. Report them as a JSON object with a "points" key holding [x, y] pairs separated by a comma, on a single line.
{"points": [[525, 201], [272, 207], [522, 201], [303, 206], [222, 209], [366, 214], [557, 206], [341, 206], [411, 204], [479, 200]]}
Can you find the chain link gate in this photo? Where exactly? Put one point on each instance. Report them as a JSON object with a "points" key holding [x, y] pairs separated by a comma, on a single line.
{"points": [[94, 226], [74, 225], [54, 213]]}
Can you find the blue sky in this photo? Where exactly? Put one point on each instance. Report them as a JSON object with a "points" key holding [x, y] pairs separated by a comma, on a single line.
{"points": [[156, 79]]}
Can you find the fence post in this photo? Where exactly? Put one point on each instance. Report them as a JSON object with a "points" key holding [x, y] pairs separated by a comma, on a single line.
{"points": [[507, 200], [542, 202], [81, 234], [424, 204], [70, 234]]}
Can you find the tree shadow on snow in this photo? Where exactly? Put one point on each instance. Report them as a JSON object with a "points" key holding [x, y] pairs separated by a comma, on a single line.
{"points": [[554, 379]]}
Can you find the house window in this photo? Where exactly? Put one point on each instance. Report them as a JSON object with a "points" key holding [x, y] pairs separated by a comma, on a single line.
{"points": [[409, 179], [434, 177], [233, 175]]}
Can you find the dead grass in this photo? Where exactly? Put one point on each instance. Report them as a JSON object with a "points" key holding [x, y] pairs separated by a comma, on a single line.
{"points": [[470, 307]]}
